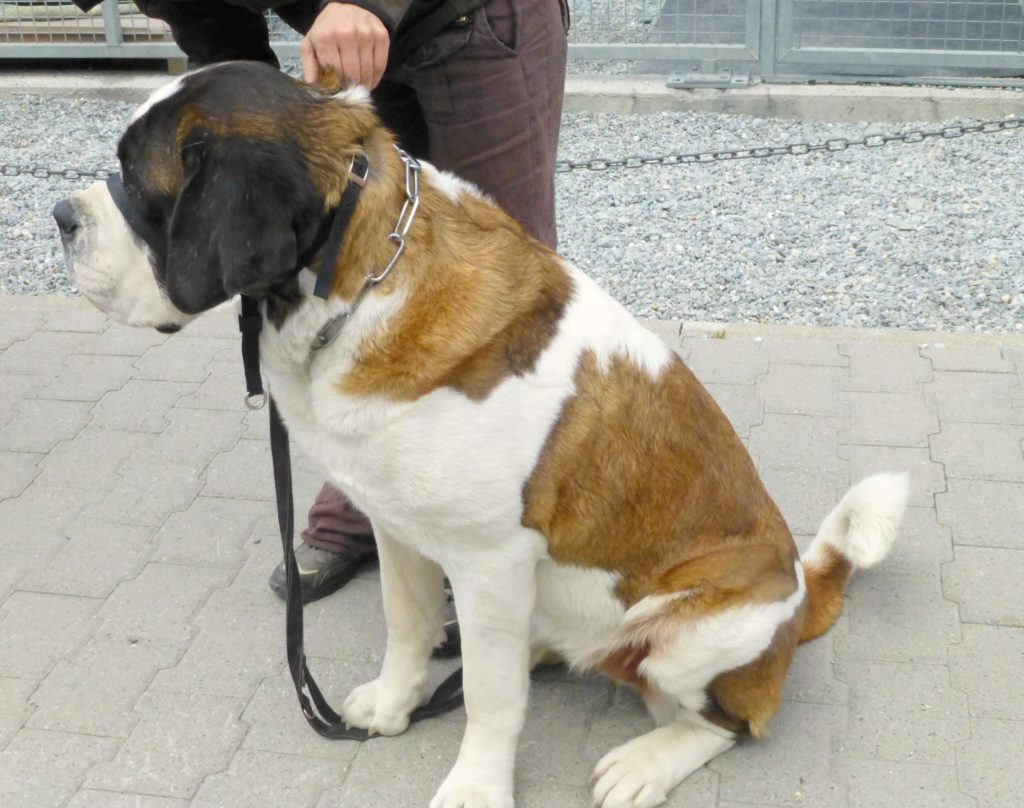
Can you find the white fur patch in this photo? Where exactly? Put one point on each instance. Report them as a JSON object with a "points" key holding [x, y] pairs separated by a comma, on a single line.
{"points": [[353, 95], [863, 525], [450, 185], [112, 267], [685, 656]]}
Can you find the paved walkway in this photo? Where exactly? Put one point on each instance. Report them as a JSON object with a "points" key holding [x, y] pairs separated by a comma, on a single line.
{"points": [[141, 652]]}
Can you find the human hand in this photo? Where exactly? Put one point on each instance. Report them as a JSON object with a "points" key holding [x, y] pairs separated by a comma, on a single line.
{"points": [[349, 40]]}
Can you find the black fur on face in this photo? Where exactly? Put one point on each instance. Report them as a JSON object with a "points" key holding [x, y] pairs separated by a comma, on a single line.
{"points": [[236, 203]]}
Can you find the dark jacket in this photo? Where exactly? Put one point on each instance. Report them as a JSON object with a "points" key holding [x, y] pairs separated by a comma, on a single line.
{"points": [[220, 30]]}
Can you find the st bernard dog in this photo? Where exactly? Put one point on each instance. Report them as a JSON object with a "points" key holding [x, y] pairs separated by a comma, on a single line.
{"points": [[499, 418]]}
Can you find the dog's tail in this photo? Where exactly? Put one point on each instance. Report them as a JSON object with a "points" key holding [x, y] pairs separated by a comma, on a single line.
{"points": [[858, 533]]}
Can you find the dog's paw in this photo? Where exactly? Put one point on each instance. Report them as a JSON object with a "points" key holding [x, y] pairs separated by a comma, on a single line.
{"points": [[378, 710], [630, 776], [462, 794]]}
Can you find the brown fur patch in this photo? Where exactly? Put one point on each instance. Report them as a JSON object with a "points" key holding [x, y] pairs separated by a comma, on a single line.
{"points": [[742, 700], [826, 582], [482, 299], [647, 478]]}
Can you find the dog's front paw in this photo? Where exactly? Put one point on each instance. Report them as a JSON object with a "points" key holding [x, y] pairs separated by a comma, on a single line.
{"points": [[630, 776], [459, 793], [378, 710]]}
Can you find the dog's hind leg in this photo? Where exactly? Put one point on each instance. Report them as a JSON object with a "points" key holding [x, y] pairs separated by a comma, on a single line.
{"points": [[412, 588], [641, 772]]}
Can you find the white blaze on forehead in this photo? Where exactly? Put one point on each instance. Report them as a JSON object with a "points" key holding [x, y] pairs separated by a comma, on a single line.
{"points": [[169, 89], [157, 96]]}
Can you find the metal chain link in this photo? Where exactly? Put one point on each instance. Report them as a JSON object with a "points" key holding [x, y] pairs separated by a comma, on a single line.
{"points": [[43, 173], [792, 149], [603, 164]]}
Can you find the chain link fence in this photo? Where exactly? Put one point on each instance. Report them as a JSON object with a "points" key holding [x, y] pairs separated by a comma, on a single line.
{"points": [[772, 39]]}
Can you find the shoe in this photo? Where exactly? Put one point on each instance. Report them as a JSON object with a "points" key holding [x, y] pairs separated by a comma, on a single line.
{"points": [[321, 572]]}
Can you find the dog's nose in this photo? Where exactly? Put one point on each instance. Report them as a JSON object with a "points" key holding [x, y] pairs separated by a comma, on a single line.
{"points": [[67, 220]]}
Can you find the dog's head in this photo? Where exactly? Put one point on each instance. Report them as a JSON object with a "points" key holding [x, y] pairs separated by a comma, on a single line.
{"points": [[228, 176]]}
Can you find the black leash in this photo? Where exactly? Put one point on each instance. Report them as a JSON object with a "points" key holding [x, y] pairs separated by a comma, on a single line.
{"points": [[314, 706]]}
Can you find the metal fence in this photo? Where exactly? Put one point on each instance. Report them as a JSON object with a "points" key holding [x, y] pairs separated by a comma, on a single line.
{"points": [[773, 39]]}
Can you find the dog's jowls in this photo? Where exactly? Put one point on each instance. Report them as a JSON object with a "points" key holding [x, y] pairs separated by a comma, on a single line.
{"points": [[499, 418]]}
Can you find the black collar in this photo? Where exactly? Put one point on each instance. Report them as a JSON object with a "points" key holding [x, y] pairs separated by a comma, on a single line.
{"points": [[358, 173]]}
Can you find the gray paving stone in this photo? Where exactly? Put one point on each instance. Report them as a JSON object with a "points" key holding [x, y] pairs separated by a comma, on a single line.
{"points": [[989, 763], [981, 398], [537, 792], [884, 784], [986, 582], [84, 319], [40, 629], [811, 676], [39, 425], [18, 325], [622, 718], [94, 692], [804, 497], [886, 367], [554, 741], [123, 340], [804, 390], [740, 405], [158, 607], [139, 405], [14, 566], [33, 521], [402, 770], [222, 322], [223, 389], [984, 513], [192, 438], [987, 358], [798, 443], [266, 779], [804, 352], [727, 361], [14, 706], [42, 353], [96, 558], [92, 460], [17, 471], [233, 652], [921, 548], [790, 767], [40, 768], [902, 712], [246, 472], [881, 607], [889, 419], [92, 798], [182, 358], [180, 740], [927, 478], [13, 390], [211, 532], [987, 666], [980, 451], [147, 494]]}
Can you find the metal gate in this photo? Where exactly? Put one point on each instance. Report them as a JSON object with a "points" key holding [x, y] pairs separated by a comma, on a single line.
{"points": [[780, 40]]}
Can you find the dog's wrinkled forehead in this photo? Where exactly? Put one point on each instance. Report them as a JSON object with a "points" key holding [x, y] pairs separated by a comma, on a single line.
{"points": [[243, 99]]}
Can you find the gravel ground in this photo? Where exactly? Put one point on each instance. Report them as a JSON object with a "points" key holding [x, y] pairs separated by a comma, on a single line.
{"points": [[927, 236]]}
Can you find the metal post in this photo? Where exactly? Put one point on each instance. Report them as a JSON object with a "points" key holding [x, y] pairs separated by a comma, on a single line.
{"points": [[767, 50], [112, 24]]}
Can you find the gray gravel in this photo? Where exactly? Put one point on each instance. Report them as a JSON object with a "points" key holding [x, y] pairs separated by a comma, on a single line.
{"points": [[927, 236]]}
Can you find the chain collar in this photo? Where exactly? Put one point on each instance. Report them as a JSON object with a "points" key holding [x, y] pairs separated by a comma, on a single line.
{"points": [[326, 335]]}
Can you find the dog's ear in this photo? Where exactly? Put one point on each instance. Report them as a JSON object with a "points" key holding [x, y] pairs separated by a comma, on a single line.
{"points": [[244, 208]]}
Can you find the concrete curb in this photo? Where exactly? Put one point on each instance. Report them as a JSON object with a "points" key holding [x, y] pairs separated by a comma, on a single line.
{"points": [[679, 328], [636, 95]]}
